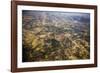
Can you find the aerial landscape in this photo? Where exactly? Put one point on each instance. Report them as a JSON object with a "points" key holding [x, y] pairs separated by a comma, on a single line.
{"points": [[55, 36]]}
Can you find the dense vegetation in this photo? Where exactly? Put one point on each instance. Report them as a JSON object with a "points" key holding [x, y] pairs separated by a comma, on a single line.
{"points": [[49, 36]]}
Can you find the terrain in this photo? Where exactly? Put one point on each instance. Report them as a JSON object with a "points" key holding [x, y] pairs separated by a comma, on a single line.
{"points": [[50, 36]]}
